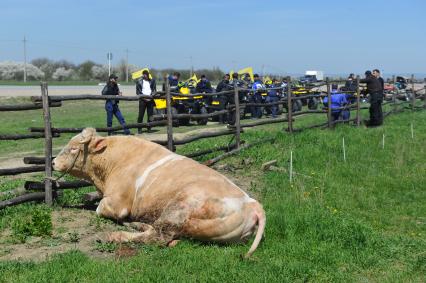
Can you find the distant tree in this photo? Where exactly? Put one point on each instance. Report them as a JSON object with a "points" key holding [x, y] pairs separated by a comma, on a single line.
{"points": [[15, 71], [85, 70], [100, 72], [62, 74]]}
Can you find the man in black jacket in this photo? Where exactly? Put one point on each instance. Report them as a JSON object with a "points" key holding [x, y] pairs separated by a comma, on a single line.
{"points": [[376, 73], [111, 105], [374, 88], [145, 86]]}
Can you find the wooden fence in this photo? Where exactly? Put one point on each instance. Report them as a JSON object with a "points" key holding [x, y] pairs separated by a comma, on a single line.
{"points": [[47, 189]]}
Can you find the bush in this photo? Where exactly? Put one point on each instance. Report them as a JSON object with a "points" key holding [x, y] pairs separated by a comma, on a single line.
{"points": [[37, 223]]}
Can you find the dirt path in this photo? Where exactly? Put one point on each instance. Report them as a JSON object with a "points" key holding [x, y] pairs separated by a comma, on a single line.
{"points": [[72, 229]]}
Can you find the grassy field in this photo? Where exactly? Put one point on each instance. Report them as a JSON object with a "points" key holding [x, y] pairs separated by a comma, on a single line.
{"points": [[359, 220]]}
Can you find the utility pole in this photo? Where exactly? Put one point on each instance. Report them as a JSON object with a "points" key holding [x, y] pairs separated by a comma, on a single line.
{"points": [[109, 57], [25, 59], [192, 67], [127, 65]]}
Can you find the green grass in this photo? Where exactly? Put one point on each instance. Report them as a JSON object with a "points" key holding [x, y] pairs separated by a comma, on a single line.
{"points": [[359, 220]]}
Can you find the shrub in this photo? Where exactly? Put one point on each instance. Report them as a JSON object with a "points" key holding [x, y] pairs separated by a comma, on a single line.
{"points": [[37, 223]]}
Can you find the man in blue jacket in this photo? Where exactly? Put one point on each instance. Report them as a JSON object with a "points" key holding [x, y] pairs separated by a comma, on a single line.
{"points": [[204, 85], [338, 100]]}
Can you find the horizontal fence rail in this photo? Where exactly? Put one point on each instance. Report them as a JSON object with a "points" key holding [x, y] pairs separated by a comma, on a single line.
{"points": [[399, 101]]}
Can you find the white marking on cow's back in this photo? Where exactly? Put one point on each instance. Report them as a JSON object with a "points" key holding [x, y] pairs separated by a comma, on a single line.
{"points": [[232, 184], [237, 203], [233, 203], [168, 158]]}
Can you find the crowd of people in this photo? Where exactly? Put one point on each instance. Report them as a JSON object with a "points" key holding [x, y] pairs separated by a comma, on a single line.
{"points": [[340, 98]]}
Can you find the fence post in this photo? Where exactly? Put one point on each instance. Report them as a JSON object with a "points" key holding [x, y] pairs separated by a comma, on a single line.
{"points": [[237, 116], [358, 103], [47, 144], [394, 92], [289, 106], [413, 99], [327, 80], [169, 116], [424, 95]]}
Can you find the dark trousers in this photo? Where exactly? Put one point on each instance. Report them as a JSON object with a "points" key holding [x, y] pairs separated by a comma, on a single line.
{"points": [[376, 114], [274, 108], [147, 105], [256, 111], [113, 110]]}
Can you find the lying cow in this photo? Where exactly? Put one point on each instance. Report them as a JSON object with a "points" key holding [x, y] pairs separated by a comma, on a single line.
{"points": [[171, 196]]}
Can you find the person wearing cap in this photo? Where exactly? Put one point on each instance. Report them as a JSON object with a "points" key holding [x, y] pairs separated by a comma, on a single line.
{"points": [[338, 100], [111, 105], [374, 88], [256, 97], [145, 86], [204, 85], [350, 84], [174, 80]]}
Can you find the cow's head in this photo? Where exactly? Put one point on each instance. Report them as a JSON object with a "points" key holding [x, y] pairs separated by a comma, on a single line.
{"points": [[74, 156]]}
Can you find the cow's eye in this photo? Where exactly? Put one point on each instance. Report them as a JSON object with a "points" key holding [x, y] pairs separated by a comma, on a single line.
{"points": [[74, 149]]}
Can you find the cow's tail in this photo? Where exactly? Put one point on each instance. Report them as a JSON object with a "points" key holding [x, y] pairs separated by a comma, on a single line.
{"points": [[261, 223]]}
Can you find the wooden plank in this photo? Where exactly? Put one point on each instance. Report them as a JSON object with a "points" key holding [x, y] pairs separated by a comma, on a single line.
{"points": [[212, 161], [24, 107], [15, 137], [106, 129], [31, 185], [39, 196], [21, 170]]}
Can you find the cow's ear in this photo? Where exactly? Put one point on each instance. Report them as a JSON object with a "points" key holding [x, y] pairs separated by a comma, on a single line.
{"points": [[98, 144], [86, 135]]}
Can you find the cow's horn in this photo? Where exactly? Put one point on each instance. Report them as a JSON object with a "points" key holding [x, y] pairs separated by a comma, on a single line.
{"points": [[87, 134]]}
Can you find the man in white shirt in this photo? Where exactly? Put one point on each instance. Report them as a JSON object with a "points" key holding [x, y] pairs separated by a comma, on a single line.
{"points": [[145, 86]]}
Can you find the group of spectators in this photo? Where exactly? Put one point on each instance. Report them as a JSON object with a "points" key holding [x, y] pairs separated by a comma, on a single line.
{"points": [[341, 99], [146, 86]]}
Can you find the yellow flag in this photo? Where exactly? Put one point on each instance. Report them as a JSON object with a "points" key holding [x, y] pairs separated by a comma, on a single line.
{"points": [[136, 75]]}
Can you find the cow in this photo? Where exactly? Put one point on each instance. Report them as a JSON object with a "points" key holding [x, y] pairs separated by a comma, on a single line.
{"points": [[165, 195]]}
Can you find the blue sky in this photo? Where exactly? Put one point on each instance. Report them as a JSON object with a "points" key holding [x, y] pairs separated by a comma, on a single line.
{"points": [[281, 36]]}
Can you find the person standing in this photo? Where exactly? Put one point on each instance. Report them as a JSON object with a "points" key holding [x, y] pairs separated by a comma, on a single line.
{"points": [[374, 88], [350, 84], [111, 105], [256, 97], [272, 96], [338, 101], [223, 85], [376, 73], [145, 86]]}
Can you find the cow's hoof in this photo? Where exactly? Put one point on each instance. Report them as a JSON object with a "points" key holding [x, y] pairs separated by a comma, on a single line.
{"points": [[173, 243]]}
